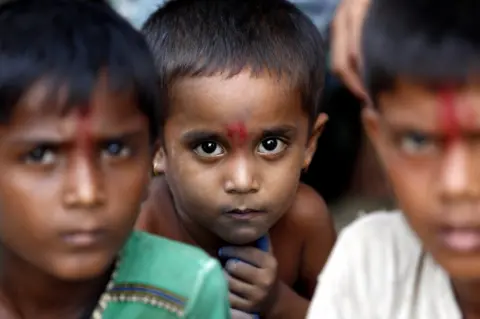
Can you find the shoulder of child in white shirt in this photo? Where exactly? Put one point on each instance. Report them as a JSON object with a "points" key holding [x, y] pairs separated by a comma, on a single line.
{"points": [[378, 270]]}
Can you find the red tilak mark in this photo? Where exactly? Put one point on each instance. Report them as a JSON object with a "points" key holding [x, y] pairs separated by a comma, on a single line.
{"points": [[84, 136], [237, 132], [449, 119]]}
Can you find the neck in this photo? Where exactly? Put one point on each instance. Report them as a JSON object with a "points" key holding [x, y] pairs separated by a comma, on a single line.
{"points": [[467, 294], [31, 293]]}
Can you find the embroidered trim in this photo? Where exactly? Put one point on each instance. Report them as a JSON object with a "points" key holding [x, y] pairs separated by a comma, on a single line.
{"points": [[150, 295], [103, 301]]}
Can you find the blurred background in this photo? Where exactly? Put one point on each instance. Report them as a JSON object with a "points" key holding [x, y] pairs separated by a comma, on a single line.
{"points": [[345, 170]]}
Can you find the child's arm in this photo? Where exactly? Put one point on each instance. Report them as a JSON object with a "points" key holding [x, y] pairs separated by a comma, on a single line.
{"points": [[319, 238], [211, 295], [316, 225]]}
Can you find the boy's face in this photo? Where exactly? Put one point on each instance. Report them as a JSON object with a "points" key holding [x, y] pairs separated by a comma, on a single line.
{"points": [[71, 185], [234, 150], [429, 143]]}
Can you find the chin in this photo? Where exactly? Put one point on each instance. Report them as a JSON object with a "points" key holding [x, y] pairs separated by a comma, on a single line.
{"points": [[81, 269], [463, 270], [242, 236]]}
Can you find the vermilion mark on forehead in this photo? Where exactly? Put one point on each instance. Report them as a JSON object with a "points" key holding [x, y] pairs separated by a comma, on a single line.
{"points": [[237, 133], [449, 119], [84, 134]]}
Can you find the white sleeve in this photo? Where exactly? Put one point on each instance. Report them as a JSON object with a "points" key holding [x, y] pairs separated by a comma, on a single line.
{"points": [[343, 286]]}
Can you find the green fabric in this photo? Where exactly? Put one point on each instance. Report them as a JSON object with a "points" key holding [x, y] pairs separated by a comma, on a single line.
{"points": [[185, 281]]}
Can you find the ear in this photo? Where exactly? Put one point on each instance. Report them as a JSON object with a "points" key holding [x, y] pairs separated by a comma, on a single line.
{"points": [[317, 130], [371, 124], [159, 160]]}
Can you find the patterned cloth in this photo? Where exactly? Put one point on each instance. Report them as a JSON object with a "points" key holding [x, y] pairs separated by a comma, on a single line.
{"points": [[164, 279]]}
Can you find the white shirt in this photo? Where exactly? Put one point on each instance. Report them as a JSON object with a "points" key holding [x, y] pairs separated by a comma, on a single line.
{"points": [[378, 270]]}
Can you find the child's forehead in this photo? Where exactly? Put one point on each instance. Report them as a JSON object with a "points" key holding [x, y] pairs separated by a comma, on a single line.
{"points": [[243, 94], [48, 98], [427, 104]]}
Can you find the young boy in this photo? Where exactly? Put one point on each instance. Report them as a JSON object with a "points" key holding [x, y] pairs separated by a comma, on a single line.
{"points": [[78, 109], [242, 80], [424, 260]]}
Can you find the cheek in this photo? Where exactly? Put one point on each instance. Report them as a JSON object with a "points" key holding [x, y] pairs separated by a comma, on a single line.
{"points": [[412, 187], [192, 187], [28, 196], [28, 215], [127, 188], [280, 184]]}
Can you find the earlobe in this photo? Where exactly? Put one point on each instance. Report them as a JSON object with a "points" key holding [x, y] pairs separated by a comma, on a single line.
{"points": [[159, 162], [317, 130], [370, 119]]}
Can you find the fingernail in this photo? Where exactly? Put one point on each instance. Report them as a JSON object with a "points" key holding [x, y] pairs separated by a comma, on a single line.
{"points": [[231, 263]]}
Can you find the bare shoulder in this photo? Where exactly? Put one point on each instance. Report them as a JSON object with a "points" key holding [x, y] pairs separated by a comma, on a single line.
{"points": [[310, 212], [311, 225], [155, 207]]}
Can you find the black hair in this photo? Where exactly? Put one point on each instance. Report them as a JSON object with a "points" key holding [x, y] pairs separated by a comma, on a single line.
{"points": [[70, 43], [434, 42], [209, 37]]}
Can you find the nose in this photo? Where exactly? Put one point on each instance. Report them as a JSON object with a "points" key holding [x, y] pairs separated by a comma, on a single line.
{"points": [[241, 177], [459, 179], [83, 187]]}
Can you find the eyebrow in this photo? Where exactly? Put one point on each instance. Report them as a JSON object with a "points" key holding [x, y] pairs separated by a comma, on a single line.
{"points": [[205, 135], [200, 135], [282, 130], [36, 138]]}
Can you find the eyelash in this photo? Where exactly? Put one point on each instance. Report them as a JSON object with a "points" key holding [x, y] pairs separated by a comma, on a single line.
{"points": [[198, 144], [36, 156], [416, 143]]}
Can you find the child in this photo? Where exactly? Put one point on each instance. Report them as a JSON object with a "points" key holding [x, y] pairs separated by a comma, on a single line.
{"points": [[242, 81], [421, 62], [78, 109]]}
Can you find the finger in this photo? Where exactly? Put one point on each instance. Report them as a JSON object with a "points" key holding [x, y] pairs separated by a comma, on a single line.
{"points": [[250, 255], [242, 271], [343, 64], [339, 40], [260, 278], [239, 303], [353, 78], [357, 17], [242, 288], [237, 314], [353, 81]]}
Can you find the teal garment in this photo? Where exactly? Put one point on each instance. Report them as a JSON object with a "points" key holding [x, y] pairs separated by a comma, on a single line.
{"points": [[160, 278]]}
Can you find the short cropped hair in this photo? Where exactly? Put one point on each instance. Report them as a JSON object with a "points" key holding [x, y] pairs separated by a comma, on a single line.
{"points": [[434, 42], [191, 38], [71, 43]]}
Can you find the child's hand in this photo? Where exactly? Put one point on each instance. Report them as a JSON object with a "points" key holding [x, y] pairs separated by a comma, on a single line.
{"points": [[251, 275], [237, 314], [345, 43]]}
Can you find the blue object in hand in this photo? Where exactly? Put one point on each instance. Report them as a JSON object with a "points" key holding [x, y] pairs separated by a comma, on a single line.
{"points": [[262, 244]]}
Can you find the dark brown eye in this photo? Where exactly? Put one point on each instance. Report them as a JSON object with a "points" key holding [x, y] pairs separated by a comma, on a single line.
{"points": [[209, 149], [271, 145]]}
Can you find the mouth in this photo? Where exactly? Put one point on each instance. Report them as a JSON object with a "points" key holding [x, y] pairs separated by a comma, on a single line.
{"points": [[244, 214], [83, 238], [461, 240]]}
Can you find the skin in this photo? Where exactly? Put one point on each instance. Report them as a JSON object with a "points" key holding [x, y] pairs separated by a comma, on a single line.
{"points": [[345, 44], [65, 174], [428, 143], [190, 201]]}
